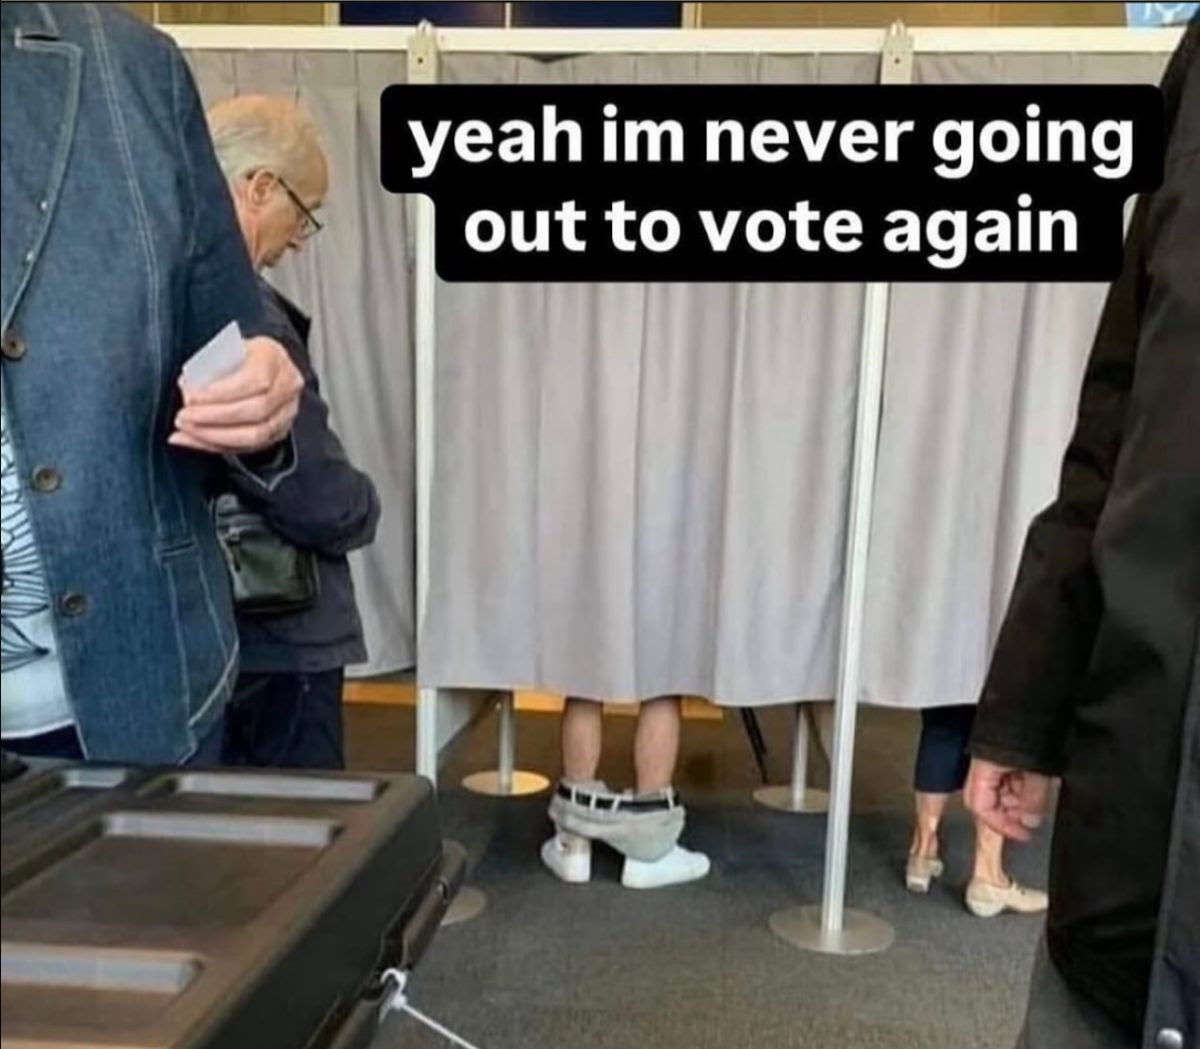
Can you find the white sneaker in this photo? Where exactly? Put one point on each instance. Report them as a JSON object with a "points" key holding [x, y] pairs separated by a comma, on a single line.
{"points": [[569, 857], [676, 867]]}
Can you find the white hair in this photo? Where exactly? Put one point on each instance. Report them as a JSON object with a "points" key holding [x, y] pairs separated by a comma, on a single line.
{"points": [[253, 132]]}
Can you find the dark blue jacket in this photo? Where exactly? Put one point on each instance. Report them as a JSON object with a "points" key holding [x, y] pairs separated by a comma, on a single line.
{"points": [[121, 257], [324, 505]]}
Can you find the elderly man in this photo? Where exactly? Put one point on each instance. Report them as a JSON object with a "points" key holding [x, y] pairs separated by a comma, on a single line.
{"points": [[118, 264], [287, 709]]}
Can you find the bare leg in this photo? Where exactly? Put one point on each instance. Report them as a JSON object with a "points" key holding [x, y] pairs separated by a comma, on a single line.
{"points": [[656, 744], [989, 856], [930, 809], [582, 735], [991, 891]]}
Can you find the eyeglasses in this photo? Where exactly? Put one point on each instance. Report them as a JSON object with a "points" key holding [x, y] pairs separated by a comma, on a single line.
{"points": [[312, 225]]}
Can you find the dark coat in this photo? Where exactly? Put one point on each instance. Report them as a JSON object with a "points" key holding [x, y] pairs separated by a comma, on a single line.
{"points": [[324, 505], [1094, 676]]}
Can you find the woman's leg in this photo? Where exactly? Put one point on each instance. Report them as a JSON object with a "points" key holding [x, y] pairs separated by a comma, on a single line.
{"points": [[941, 770], [989, 856], [991, 891], [930, 808]]}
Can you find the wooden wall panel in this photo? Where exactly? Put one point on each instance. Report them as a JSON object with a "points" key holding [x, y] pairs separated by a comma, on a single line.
{"points": [[240, 14], [1082, 14], [846, 15], [143, 11]]}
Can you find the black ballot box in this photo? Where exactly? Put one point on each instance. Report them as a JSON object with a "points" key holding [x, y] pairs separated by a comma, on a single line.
{"points": [[212, 909]]}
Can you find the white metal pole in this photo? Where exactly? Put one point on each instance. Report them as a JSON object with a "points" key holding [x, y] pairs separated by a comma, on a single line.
{"points": [[828, 930], [800, 759], [422, 69], [506, 781], [866, 443], [796, 795], [896, 67], [508, 743]]}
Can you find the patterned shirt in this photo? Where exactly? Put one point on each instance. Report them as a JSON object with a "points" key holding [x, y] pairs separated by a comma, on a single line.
{"points": [[33, 698]]}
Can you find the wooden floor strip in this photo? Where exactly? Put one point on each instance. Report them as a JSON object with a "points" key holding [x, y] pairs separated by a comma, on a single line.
{"points": [[405, 694]]}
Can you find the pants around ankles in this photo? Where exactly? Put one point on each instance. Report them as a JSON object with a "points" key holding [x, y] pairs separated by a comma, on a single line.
{"points": [[640, 835]]}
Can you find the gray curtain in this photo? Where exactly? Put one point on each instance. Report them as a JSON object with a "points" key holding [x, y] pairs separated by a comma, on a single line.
{"points": [[641, 489], [355, 280], [979, 401]]}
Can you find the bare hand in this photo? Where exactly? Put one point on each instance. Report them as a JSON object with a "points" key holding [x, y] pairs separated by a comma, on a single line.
{"points": [[1011, 801], [244, 412]]}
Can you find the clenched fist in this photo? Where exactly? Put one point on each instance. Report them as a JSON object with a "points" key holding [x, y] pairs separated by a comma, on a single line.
{"points": [[246, 411]]}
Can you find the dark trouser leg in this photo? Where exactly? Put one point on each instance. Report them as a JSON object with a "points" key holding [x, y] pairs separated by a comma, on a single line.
{"points": [[1058, 1018], [287, 721], [210, 751], [942, 758]]}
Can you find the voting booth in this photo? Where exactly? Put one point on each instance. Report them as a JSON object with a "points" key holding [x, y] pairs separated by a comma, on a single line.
{"points": [[760, 493]]}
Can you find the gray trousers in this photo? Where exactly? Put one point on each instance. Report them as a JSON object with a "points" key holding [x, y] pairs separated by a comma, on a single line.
{"points": [[1058, 1018], [647, 836]]}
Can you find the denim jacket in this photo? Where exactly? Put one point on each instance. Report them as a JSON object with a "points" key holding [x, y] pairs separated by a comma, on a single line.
{"points": [[119, 257]]}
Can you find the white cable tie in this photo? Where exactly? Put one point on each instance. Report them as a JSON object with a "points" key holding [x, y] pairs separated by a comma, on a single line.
{"points": [[398, 1001], [433, 1025]]}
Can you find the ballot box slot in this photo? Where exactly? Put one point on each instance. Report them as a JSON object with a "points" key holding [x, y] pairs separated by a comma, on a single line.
{"points": [[53, 784], [271, 785], [291, 831], [97, 969], [134, 868]]}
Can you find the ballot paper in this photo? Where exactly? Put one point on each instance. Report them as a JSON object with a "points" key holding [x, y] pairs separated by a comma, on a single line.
{"points": [[220, 356]]}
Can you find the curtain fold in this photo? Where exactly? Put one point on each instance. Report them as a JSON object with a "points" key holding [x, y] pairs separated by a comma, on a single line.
{"points": [[641, 489], [980, 393]]}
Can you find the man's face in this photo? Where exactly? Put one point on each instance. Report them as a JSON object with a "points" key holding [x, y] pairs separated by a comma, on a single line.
{"points": [[281, 211]]}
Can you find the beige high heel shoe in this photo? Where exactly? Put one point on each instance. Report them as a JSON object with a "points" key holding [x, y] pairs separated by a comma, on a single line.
{"points": [[985, 900], [920, 873]]}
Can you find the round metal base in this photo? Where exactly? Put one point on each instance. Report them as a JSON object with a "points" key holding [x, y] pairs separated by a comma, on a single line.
{"points": [[522, 783], [861, 933], [780, 798], [469, 903]]}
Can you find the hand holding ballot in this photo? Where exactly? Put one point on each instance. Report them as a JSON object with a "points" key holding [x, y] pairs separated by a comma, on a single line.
{"points": [[238, 396]]}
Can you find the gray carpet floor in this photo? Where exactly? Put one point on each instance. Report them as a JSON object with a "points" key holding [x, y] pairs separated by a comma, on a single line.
{"points": [[555, 966]]}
